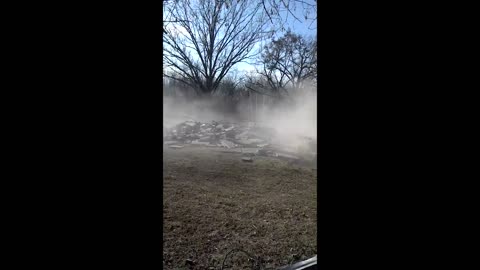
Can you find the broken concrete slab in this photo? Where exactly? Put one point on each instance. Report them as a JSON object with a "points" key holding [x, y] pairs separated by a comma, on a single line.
{"points": [[262, 152], [287, 156], [174, 146], [230, 151], [170, 142], [248, 150], [204, 139], [212, 145], [256, 141], [266, 153], [249, 142], [241, 135], [227, 143], [197, 142], [230, 135]]}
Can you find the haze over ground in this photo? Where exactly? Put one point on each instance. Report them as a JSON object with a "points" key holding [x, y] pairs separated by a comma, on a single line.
{"points": [[292, 119]]}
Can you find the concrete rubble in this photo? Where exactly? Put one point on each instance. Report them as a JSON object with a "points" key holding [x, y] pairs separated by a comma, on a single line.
{"points": [[247, 159], [176, 146], [246, 138]]}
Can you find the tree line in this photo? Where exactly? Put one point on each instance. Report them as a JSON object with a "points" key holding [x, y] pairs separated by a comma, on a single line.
{"points": [[204, 40]]}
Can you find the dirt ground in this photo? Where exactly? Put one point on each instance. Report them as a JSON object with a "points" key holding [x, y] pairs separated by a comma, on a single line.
{"points": [[214, 203]]}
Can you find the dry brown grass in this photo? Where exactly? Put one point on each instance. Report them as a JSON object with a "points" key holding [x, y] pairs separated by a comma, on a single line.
{"points": [[213, 202]]}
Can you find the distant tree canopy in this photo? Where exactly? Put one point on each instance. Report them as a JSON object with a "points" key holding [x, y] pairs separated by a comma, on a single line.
{"points": [[287, 63], [205, 39]]}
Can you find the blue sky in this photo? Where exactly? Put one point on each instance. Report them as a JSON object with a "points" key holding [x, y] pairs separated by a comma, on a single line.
{"points": [[302, 27]]}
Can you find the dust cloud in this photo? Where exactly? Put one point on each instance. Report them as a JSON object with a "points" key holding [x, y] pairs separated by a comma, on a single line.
{"points": [[294, 119]]}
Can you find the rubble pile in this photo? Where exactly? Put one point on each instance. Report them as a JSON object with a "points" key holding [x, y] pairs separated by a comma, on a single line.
{"points": [[251, 139], [219, 134]]}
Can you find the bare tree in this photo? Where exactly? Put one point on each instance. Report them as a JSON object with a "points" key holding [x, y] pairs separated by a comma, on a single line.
{"points": [[279, 11], [255, 83], [274, 9], [288, 62], [204, 39]]}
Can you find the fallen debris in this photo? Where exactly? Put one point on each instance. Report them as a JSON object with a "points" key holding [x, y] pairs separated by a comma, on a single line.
{"points": [[176, 146], [287, 156], [249, 150], [250, 142], [249, 138], [227, 144], [197, 142], [170, 142], [266, 153]]}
